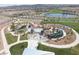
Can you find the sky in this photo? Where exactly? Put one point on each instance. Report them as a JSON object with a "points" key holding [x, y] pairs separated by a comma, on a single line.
{"points": [[25, 2], [3, 5]]}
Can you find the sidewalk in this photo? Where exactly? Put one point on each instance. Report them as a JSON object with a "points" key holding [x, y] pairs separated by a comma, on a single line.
{"points": [[5, 44]]}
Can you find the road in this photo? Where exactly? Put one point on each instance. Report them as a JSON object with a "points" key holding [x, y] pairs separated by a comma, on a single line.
{"points": [[3, 23], [1, 44]]}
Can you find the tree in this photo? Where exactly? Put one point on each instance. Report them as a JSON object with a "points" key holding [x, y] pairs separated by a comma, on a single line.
{"points": [[13, 27]]}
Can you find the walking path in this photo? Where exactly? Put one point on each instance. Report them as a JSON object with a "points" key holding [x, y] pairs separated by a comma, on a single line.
{"points": [[33, 41], [67, 45], [32, 47], [18, 38], [1, 43], [17, 43], [3, 25], [5, 44]]}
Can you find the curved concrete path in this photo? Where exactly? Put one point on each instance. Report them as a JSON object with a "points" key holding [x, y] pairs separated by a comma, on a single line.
{"points": [[67, 45], [35, 40], [17, 43], [32, 47]]}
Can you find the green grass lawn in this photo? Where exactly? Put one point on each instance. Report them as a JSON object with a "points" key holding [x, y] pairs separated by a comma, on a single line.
{"points": [[55, 11], [10, 38], [18, 49], [71, 23], [60, 51], [23, 37], [62, 19]]}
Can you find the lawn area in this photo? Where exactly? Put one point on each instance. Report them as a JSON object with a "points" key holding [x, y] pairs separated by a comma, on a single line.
{"points": [[18, 49], [55, 11], [23, 37], [60, 51], [72, 24], [10, 38], [52, 19]]}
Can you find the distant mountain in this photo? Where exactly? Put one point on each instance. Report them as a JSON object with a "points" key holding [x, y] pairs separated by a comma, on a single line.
{"points": [[39, 6]]}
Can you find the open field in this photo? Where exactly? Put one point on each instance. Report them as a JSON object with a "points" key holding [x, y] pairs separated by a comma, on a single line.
{"points": [[55, 11]]}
